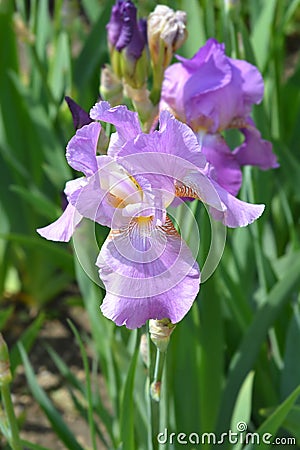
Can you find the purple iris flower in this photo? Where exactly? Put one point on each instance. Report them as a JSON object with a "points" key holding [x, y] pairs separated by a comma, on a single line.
{"points": [[211, 93], [147, 269], [124, 31]]}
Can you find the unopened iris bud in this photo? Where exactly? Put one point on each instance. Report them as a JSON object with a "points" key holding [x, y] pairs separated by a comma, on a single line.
{"points": [[111, 88], [5, 373], [127, 42], [160, 332], [166, 33]]}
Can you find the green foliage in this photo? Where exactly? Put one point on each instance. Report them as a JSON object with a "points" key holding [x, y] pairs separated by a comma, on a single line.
{"points": [[235, 356]]}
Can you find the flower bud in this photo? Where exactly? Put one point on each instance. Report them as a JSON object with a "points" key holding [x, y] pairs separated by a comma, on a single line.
{"points": [[111, 88], [166, 33], [160, 332], [155, 390], [126, 41], [5, 373]]}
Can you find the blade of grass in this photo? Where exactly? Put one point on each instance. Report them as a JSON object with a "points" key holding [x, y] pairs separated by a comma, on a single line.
{"points": [[248, 350], [197, 31], [272, 424], [6, 315], [211, 366], [30, 445], [99, 408], [27, 340], [38, 201], [243, 405], [291, 9], [261, 31], [291, 422], [91, 58], [127, 404], [4, 228], [92, 9], [63, 258], [89, 394], [58, 424], [60, 69], [291, 371]]}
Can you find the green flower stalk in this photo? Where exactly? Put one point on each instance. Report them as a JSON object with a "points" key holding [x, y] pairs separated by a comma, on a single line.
{"points": [[160, 332], [142, 104]]}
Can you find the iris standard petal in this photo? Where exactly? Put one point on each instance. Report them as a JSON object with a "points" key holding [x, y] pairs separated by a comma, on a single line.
{"points": [[210, 90], [125, 121], [163, 156], [106, 194], [252, 82], [193, 81], [82, 148]]}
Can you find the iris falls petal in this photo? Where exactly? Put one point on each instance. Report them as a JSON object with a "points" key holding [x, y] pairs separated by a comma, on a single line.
{"points": [[149, 273]]}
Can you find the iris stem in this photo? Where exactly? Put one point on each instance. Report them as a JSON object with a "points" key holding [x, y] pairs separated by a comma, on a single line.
{"points": [[158, 76], [155, 397], [14, 440]]}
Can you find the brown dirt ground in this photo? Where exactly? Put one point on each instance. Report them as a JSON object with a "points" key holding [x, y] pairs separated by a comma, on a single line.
{"points": [[34, 425]]}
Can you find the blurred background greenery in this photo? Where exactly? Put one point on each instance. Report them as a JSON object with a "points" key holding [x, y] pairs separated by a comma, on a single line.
{"points": [[235, 357]]}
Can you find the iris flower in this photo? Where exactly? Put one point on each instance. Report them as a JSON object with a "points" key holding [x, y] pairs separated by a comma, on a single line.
{"points": [[127, 38], [148, 270], [212, 93]]}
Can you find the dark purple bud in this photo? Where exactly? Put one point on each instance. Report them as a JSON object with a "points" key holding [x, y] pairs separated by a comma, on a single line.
{"points": [[80, 116], [142, 25], [124, 31], [128, 25], [114, 26]]}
